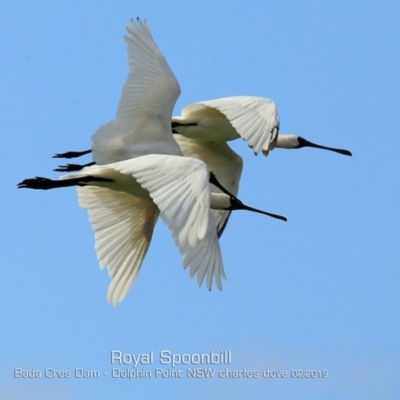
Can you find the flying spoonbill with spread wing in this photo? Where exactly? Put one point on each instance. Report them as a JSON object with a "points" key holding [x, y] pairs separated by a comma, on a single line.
{"points": [[142, 174], [254, 119], [204, 128]]}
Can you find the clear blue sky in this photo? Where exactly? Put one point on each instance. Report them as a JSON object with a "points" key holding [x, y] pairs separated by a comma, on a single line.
{"points": [[320, 292]]}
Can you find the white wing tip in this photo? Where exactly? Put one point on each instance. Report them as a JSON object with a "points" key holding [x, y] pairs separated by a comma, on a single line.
{"points": [[209, 276], [115, 296]]}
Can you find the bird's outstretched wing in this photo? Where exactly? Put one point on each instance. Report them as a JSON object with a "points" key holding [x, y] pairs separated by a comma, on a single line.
{"points": [[145, 109], [205, 259], [225, 163], [255, 119], [180, 188], [124, 226]]}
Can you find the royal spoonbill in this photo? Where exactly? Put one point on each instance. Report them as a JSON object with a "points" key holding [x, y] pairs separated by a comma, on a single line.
{"points": [[124, 200], [254, 119], [225, 164], [142, 174], [204, 128]]}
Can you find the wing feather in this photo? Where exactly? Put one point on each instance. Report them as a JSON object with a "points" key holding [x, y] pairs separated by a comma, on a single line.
{"points": [[123, 227], [151, 87], [226, 164], [181, 191], [143, 121], [255, 119], [182, 194], [205, 260]]}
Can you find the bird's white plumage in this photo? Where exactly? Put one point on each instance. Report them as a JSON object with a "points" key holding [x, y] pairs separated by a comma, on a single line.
{"points": [[226, 164], [205, 260], [180, 187], [255, 119], [128, 150], [123, 213], [143, 121], [123, 226]]}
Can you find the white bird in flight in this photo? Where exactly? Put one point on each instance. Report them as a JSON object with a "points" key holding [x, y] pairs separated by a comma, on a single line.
{"points": [[254, 119], [204, 128], [142, 174]]}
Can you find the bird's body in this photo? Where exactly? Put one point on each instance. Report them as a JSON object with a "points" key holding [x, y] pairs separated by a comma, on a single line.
{"points": [[124, 200], [125, 209], [204, 128], [141, 173], [254, 119]]}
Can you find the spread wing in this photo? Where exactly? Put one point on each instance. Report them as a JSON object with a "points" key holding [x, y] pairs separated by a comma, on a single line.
{"points": [[123, 226], [205, 259], [180, 188], [149, 94], [255, 119]]}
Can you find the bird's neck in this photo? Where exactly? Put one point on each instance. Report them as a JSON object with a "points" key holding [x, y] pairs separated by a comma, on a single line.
{"points": [[287, 142], [220, 201]]}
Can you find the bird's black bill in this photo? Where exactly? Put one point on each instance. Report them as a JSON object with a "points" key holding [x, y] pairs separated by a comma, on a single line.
{"points": [[236, 204], [305, 143], [72, 154], [73, 167], [45, 184]]}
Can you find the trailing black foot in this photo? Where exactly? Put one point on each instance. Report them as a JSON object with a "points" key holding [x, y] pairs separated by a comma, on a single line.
{"points": [[72, 154], [37, 183], [73, 167], [45, 184]]}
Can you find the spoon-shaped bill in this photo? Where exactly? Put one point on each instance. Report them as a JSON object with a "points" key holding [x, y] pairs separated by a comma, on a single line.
{"points": [[236, 204], [305, 143]]}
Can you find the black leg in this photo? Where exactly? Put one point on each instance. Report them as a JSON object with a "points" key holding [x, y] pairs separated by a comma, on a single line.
{"points": [[45, 183], [72, 154], [73, 167]]}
